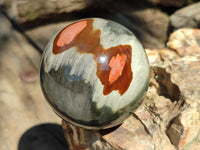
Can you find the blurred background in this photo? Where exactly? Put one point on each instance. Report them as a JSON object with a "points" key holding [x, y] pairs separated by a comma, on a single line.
{"points": [[26, 120]]}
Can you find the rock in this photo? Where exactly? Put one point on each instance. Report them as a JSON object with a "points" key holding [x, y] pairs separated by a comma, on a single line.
{"points": [[185, 73], [185, 42], [183, 130], [130, 135], [161, 57], [174, 3], [188, 16], [182, 66], [95, 90]]}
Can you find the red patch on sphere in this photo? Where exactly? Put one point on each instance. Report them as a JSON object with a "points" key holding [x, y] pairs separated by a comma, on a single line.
{"points": [[113, 64], [69, 33], [116, 67]]}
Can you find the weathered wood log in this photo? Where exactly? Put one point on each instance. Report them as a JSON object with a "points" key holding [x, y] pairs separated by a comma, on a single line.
{"points": [[22, 104], [29, 10], [148, 24]]}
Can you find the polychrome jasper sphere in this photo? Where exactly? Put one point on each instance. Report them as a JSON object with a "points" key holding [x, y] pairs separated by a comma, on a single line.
{"points": [[94, 73]]}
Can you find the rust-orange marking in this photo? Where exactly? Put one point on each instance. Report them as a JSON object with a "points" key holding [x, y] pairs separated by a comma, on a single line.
{"points": [[117, 65], [114, 70], [68, 34]]}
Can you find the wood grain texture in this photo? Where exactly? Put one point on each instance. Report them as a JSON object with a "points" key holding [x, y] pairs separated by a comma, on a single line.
{"points": [[22, 104], [29, 10]]}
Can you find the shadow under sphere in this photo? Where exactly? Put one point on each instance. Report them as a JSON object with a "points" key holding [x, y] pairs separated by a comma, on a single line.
{"points": [[43, 137]]}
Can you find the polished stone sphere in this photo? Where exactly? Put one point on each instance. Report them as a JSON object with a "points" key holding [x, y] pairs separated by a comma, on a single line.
{"points": [[94, 73]]}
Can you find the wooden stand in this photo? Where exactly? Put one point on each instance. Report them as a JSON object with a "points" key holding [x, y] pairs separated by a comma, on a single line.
{"points": [[82, 139], [125, 136]]}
